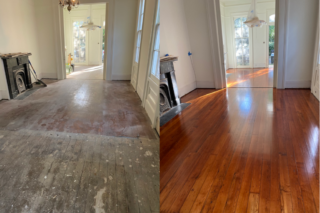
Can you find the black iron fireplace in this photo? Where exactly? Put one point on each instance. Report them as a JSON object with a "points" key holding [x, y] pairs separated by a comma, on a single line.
{"points": [[169, 95], [17, 71]]}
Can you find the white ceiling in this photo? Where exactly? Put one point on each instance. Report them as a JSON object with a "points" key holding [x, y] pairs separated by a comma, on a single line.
{"points": [[239, 2]]}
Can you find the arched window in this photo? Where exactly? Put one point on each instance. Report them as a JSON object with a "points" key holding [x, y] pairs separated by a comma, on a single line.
{"points": [[242, 50], [272, 18]]}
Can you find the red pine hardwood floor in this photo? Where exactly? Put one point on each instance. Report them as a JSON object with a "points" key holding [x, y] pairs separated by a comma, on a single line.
{"points": [[242, 150]]}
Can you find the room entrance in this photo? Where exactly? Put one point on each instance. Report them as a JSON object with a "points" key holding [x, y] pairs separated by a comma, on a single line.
{"points": [[85, 42], [248, 49]]}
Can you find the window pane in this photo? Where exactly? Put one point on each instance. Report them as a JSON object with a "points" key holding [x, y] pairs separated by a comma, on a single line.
{"points": [[157, 38], [272, 18], [239, 60], [245, 31], [137, 54], [155, 59], [141, 22], [139, 39], [238, 32], [142, 8], [79, 42], [237, 23], [242, 46]]}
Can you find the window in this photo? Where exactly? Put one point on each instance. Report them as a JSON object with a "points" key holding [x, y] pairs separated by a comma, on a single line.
{"points": [[156, 49], [79, 42], [272, 18], [242, 42], [139, 30]]}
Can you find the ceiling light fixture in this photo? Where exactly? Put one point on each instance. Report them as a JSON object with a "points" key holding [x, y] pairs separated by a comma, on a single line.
{"points": [[89, 24], [69, 4]]}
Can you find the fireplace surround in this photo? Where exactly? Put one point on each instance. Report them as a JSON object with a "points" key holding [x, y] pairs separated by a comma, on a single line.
{"points": [[17, 72], [169, 95]]}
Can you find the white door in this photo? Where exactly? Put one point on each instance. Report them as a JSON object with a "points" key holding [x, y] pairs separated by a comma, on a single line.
{"points": [[136, 54], [95, 45], [151, 100], [79, 42]]}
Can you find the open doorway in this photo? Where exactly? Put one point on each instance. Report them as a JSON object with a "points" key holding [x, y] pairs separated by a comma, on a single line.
{"points": [[248, 52], [84, 32]]}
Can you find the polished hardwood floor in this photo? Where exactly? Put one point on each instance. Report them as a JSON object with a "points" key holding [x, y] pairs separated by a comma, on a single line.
{"points": [[249, 77], [242, 150]]}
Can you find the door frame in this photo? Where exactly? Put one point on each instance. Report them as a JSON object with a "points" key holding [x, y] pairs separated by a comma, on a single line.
{"points": [[60, 41], [216, 42], [316, 58]]}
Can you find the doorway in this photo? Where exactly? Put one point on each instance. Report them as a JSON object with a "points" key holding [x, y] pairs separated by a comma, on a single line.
{"points": [[248, 52], [84, 33]]}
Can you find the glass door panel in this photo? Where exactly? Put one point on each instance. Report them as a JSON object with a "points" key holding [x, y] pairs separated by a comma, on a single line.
{"points": [[242, 42], [79, 42]]}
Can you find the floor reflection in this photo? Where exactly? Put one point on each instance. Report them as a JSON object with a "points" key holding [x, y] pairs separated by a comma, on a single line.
{"points": [[248, 77]]}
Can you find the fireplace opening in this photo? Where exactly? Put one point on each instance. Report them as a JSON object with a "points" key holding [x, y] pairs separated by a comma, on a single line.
{"points": [[20, 80], [164, 99]]}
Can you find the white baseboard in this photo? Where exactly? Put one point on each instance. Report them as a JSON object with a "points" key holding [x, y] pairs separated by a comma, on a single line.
{"points": [[205, 84], [188, 88], [4, 94], [262, 65], [121, 77], [298, 84], [47, 75]]}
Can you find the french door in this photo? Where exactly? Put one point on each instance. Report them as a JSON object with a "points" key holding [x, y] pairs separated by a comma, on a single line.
{"points": [[242, 43], [137, 46], [79, 42]]}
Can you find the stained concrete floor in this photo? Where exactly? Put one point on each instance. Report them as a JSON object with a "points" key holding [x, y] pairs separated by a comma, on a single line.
{"points": [[78, 146]]}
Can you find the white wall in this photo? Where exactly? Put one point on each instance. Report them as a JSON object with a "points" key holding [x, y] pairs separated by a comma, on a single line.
{"points": [[259, 34], [301, 34], [174, 40], [19, 33], [197, 22], [124, 34]]}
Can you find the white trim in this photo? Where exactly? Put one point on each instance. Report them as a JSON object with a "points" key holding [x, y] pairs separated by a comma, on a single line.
{"points": [[48, 75], [4, 94], [205, 84], [59, 37], [188, 88], [298, 84], [216, 42], [121, 77], [281, 43]]}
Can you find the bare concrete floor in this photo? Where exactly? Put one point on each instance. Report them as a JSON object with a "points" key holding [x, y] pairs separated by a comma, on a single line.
{"points": [[58, 152]]}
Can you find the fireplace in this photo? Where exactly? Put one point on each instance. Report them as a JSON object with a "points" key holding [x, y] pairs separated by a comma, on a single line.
{"points": [[169, 95], [17, 71]]}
